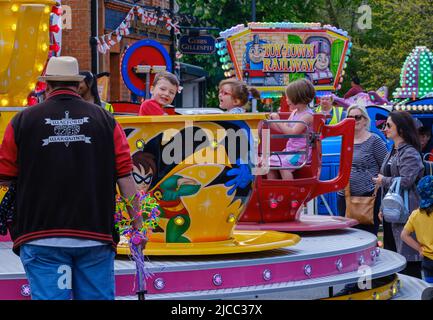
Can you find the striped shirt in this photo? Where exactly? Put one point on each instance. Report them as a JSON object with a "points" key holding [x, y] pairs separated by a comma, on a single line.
{"points": [[367, 160], [236, 110]]}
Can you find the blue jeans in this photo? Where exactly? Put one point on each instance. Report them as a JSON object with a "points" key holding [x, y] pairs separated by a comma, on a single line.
{"points": [[59, 273], [427, 270]]}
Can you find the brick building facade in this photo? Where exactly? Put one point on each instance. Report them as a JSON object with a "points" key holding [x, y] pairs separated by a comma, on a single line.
{"points": [[75, 41]]}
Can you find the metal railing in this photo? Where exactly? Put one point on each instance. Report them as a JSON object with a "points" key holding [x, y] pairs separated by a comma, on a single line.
{"points": [[267, 137]]}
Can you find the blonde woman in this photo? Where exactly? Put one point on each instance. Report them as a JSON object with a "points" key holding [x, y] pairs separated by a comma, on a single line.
{"points": [[368, 153]]}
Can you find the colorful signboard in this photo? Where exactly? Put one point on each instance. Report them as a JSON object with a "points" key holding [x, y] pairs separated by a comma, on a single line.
{"points": [[270, 55]]}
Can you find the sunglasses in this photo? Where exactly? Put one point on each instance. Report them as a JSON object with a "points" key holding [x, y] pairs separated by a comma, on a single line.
{"points": [[357, 118], [140, 179], [388, 125]]}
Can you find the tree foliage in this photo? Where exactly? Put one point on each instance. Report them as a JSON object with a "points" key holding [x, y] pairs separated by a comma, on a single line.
{"points": [[397, 28], [378, 51]]}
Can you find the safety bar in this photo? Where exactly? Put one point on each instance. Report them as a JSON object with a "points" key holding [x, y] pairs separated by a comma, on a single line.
{"points": [[266, 138]]}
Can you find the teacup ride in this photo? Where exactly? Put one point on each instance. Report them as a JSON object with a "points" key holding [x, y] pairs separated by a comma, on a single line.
{"points": [[200, 170], [196, 252], [278, 204], [202, 190], [201, 199]]}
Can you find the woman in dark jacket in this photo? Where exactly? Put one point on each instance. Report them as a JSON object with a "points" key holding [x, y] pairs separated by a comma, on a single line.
{"points": [[89, 88], [403, 161]]}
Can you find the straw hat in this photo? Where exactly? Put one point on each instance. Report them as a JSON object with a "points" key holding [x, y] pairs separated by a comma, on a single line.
{"points": [[62, 69]]}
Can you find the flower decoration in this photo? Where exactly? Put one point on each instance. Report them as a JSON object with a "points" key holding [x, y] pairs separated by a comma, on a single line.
{"points": [[145, 207]]}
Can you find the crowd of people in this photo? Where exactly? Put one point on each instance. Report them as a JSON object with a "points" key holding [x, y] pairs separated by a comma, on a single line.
{"points": [[373, 167], [51, 228], [373, 171]]}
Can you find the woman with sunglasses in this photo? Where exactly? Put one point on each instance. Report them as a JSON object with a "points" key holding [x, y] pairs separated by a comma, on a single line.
{"points": [[403, 161], [368, 154]]}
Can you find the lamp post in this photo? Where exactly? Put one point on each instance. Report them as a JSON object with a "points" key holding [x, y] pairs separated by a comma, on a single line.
{"points": [[253, 10], [94, 33]]}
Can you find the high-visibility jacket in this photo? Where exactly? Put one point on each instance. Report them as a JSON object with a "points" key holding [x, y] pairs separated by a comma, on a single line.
{"points": [[336, 113], [107, 106]]}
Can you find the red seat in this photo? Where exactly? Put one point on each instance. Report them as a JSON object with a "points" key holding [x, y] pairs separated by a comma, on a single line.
{"points": [[304, 172], [281, 200], [125, 107], [279, 144]]}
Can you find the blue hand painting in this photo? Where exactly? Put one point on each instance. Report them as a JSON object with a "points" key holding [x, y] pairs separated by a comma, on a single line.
{"points": [[242, 177]]}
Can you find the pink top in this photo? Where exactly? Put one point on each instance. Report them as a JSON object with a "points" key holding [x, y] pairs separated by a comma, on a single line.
{"points": [[297, 144]]}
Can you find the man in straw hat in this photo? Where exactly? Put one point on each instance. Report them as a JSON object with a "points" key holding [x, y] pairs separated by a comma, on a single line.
{"points": [[66, 156]]}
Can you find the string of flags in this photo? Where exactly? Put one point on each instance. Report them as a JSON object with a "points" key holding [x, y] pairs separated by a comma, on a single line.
{"points": [[161, 18]]}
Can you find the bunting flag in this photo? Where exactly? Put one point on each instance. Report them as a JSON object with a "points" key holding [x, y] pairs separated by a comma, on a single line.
{"points": [[123, 29], [105, 46], [147, 17], [153, 19], [101, 48], [110, 41]]}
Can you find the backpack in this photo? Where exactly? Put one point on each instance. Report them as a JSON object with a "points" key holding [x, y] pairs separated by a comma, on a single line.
{"points": [[394, 206]]}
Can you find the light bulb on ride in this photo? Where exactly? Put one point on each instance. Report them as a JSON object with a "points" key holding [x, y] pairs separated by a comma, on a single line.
{"points": [[231, 218], [179, 221]]}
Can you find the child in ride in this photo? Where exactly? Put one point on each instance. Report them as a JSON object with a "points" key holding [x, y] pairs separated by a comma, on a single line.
{"points": [[234, 95], [163, 90], [298, 95]]}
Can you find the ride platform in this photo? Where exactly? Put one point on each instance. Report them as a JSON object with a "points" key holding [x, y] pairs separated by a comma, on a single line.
{"points": [[305, 223], [321, 259]]}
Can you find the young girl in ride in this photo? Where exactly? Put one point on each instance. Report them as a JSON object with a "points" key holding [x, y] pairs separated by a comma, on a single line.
{"points": [[234, 95], [298, 95]]}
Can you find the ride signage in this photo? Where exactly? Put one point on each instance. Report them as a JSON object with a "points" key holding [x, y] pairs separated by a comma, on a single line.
{"points": [[268, 56], [284, 57], [197, 44]]}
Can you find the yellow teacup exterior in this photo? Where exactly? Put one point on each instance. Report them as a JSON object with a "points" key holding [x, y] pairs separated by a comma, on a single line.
{"points": [[196, 169]]}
